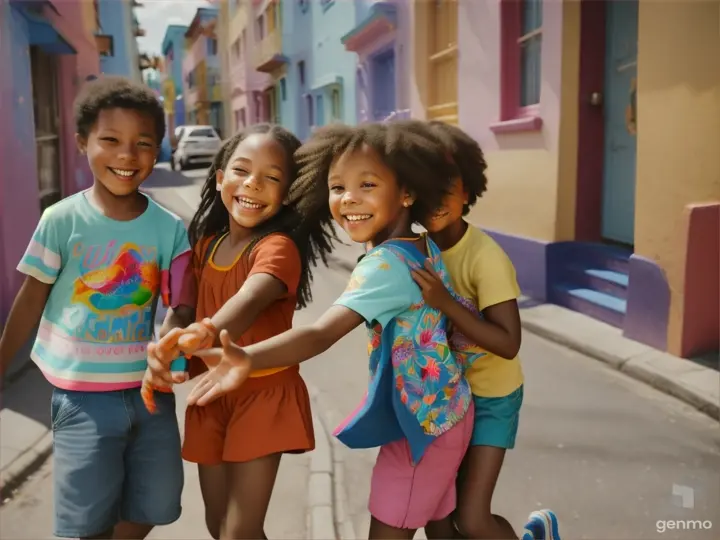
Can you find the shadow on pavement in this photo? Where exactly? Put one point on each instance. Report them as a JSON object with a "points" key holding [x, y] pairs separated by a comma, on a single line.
{"points": [[28, 396], [166, 178]]}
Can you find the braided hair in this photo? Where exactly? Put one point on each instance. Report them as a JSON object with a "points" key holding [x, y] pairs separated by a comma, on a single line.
{"points": [[413, 153], [467, 154], [313, 234]]}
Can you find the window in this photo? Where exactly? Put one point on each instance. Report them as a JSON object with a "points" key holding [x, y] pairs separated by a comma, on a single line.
{"points": [[203, 132], [260, 28], [301, 72], [309, 110], [212, 46], [530, 43], [236, 49], [520, 60], [283, 89], [319, 111], [335, 105], [240, 119]]}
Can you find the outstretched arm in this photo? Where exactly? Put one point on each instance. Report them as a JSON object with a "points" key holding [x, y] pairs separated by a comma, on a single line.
{"points": [[297, 344], [287, 349]]}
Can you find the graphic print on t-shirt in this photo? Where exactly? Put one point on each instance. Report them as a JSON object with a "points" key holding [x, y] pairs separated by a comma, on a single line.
{"points": [[112, 298]]}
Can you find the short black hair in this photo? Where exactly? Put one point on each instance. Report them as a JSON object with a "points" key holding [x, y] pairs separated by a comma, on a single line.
{"points": [[468, 156], [312, 233], [116, 92], [412, 152]]}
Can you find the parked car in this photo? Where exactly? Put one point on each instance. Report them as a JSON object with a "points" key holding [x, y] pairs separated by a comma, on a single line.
{"points": [[196, 144]]}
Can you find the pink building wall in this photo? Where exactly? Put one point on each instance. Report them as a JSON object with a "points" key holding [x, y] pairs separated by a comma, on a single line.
{"points": [[19, 191], [479, 70]]}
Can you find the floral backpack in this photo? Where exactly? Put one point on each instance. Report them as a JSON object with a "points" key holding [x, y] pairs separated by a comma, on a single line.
{"points": [[417, 388]]}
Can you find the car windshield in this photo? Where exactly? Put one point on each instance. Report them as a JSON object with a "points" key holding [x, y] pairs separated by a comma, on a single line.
{"points": [[202, 132]]}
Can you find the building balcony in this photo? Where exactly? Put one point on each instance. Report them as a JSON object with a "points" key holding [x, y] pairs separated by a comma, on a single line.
{"points": [[268, 53]]}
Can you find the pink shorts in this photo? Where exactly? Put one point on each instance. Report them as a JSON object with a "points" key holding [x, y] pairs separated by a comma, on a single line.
{"points": [[407, 497]]}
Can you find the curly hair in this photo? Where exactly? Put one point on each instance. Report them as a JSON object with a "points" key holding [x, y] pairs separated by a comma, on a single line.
{"points": [[469, 157], [313, 234], [413, 153], [116, 92]]}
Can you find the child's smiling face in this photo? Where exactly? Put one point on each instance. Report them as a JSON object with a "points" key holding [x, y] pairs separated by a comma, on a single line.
{"points": [[122, 148], [451, 210], [255, 181], [365, 198]]}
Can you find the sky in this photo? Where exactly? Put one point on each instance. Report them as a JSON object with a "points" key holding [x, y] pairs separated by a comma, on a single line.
{"points": [[156, 15]]}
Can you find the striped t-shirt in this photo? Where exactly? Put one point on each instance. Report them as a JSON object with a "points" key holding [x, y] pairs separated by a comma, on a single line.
{"points": [[107, 276]]}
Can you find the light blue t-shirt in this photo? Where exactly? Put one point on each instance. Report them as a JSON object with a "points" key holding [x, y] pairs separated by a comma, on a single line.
{"points": [[380, 288], [107, 276]]}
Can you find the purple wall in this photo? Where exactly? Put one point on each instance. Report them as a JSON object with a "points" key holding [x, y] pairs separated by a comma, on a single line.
{"points": [[19, 192]]}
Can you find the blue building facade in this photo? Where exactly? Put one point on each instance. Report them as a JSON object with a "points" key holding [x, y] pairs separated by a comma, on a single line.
{"points": [[173, 50], [117, 21], [319, 85]]}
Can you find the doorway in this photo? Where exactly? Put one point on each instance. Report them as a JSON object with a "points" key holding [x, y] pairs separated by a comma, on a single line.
{"points": [[620, 122], [46, 115], [383, 83]]}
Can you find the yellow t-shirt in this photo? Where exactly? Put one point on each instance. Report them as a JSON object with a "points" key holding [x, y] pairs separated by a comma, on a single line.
{"points": [[482, 272]]}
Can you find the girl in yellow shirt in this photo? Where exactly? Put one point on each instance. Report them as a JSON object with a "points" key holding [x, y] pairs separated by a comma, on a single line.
{"points": [[482, 273]]}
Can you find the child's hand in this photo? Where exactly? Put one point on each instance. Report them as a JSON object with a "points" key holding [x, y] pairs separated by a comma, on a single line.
{"points": [[199, 335], [158, 375], [232, 369], [433, 289], [160, 356]]}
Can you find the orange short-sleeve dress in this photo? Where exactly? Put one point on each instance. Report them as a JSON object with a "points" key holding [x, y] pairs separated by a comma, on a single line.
{"points": [[270, 413]]}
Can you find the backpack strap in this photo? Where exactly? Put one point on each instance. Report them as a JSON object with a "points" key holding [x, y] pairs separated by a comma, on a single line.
{"points": [[406, 252]]}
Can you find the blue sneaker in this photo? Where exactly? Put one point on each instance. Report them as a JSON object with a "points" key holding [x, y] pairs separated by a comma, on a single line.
{"points": [[527, 535], [543, 524]]}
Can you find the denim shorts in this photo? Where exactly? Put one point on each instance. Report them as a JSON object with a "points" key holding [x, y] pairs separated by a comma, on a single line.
{"points": [[496, 420], [114, 461]]}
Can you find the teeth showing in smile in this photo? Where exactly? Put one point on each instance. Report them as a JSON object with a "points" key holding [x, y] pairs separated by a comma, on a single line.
{"points": [[122, 172], [247, 203], [358, 217]]}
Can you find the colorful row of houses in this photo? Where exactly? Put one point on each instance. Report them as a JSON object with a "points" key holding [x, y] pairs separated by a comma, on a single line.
{"points": [[600, 120], [48, 49]]}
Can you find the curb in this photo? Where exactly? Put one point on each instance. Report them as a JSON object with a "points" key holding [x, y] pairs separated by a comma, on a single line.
{"points": [[327, 518], [692, 384], [18, 471], [320, 518]]}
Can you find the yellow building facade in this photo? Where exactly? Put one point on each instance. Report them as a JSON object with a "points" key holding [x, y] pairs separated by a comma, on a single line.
{"points": [[600, 121]]}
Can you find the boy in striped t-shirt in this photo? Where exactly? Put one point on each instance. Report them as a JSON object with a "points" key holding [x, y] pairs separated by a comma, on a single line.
{"points": [[95, 268]]}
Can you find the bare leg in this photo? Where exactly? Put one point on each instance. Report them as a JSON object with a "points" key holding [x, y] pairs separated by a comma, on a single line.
{"points": [[214, 487], [249, 490], [474, 518], [381, 531], [442, 529]]}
